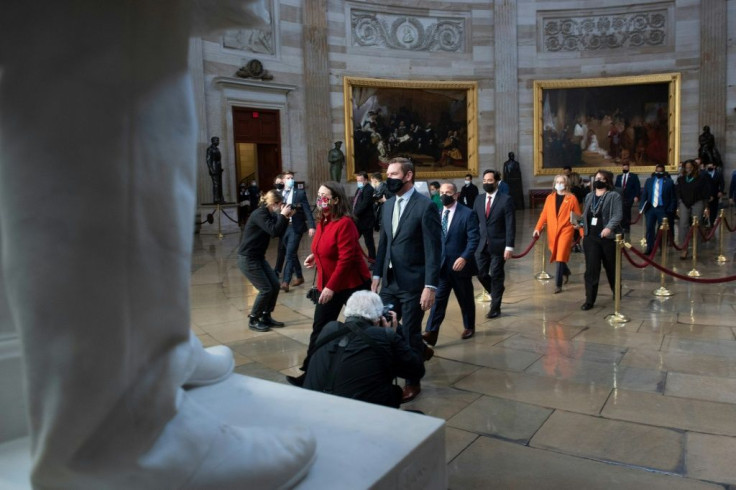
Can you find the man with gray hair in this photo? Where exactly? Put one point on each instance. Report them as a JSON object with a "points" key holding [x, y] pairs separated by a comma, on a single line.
{"points": [[360, 358]]}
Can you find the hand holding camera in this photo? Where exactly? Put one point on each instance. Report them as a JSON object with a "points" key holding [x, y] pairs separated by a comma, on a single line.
{"points": [[287, 210], [388, 317]]}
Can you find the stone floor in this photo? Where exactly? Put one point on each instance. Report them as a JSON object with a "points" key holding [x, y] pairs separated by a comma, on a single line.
{"points": [[547, 395]]}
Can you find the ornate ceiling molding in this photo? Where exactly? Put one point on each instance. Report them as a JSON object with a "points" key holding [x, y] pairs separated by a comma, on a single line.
{"points": [[625, 26]]}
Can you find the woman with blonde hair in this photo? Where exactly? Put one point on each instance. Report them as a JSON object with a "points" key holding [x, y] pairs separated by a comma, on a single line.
{"points": [[560, 231], [341, 263], [270, 220]]}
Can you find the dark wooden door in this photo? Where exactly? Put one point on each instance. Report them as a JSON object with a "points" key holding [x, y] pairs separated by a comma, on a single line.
{"points": [[262, 127]]}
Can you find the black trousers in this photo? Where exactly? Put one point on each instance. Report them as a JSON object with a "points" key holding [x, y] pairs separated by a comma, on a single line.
{"points": [[407, 308], [326, 313], [262, 276], [370, 243], [561, 270], [598, 251], [463, 287], [491, 275]]}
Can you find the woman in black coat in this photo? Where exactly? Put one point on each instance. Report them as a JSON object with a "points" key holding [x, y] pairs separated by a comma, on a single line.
{"points": [[693, 191], [270, 220]]}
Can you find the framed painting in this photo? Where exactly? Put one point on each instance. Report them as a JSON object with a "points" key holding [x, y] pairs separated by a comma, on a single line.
{"points": [[432, 123], [597, 123]]}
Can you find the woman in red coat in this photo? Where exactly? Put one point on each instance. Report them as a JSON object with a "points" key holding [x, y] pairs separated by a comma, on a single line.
{"points": [[341, 263], [560, 232]]}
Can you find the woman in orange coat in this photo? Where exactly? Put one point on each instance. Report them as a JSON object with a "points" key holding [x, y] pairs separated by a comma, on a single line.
{"points": [[560, 232]]}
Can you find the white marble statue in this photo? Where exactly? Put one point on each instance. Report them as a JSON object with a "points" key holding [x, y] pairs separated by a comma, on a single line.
{"points": [[97, 189]]}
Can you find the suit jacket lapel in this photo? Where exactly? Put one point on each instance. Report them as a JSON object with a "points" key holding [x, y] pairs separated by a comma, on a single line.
{"points": [[407, 207]]}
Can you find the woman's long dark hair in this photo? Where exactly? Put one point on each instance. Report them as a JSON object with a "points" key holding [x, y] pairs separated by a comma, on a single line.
{"points": [[340, 205]]}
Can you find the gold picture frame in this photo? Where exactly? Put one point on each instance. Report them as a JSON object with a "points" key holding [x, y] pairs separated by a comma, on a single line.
{"points": [[434, 123], [594, 123]]}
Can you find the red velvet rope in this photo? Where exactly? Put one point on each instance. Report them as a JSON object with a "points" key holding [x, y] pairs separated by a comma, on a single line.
{"points": [[528, 249], [727, 226], [638, 265], [687, 241], [638, 218], [680, 276], [711, 234], [657, 244]]}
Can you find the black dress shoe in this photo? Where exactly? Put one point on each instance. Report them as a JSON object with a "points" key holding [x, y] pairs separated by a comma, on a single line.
{"points": [[467, 333], [493, 314], [296, 380], [430, 337], [255, 323], [586, 306], [267, 320], [410, 392]]}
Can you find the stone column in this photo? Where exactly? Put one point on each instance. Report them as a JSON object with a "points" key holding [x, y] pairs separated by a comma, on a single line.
{"points": [[506, 67], [196, 70], [317, 120], [713, 46]]}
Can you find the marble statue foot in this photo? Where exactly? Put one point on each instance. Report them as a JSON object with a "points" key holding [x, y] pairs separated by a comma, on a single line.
{"points": [[211, 365]]}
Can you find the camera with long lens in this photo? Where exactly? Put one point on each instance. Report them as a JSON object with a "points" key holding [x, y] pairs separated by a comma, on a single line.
{"points": [[313, 295]]}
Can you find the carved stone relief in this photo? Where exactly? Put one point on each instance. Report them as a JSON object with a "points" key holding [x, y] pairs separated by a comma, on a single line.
{"points": [[260, 41], [610, 28], [407, 32]]}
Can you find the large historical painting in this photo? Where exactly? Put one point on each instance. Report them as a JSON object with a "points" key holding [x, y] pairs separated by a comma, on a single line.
{"points": [[600, 122], [432, 123]]}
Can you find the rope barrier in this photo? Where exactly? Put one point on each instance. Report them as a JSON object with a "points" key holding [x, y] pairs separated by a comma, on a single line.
{"points": [[228, 217], [707, 236], [638, 218], [687, 241], [675, 274], [638, 265], [528, 249], [657, 244], [728, 227], [209, 219]]}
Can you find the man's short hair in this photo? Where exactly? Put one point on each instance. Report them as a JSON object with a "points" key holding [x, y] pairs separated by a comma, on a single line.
{"points": [[454, 187], [377, 176], [289, 172], [435, 184], [468, 175], [406, 166], [364, 304], [496, 173], [362, 173], [567, 167]]}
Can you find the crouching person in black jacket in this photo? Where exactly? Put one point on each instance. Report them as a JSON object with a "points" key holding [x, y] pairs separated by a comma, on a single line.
{"points": [[361, 358]]}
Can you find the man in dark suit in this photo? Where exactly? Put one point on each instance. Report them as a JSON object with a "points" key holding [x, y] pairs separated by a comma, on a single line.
{"points": [[495, 212], [297, 198], [408, 259], [363, 212], [659, 201], [468, 193], [630, 187], [717, 186], [460, 236]]}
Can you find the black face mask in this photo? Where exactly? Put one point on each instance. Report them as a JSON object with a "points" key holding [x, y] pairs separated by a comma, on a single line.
{"points": [[710, 169], [599, 184], [489, 188], [626, 170], [658, 174], [447, 200], [280, 187], [394, 185]]}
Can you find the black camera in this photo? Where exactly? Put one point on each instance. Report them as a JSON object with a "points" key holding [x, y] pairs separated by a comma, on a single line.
{"points": [[386, 313], [296, 207], [313, 295]]}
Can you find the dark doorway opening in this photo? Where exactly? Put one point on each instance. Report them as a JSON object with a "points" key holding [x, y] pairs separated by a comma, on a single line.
{"points": [[257, 137]]}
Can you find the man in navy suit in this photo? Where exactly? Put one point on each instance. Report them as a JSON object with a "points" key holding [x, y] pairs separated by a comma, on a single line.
{"points": [[460, 236], [363, 212], [630, 187], [659, 201], [408, 259], [297, 226], [495, 212]]}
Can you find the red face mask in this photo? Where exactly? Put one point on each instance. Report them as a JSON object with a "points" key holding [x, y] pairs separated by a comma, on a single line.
{"points": [[323, 203]]}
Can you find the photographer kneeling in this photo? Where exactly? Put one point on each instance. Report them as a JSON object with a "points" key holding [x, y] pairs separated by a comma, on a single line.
{"points": [[361, 358]]}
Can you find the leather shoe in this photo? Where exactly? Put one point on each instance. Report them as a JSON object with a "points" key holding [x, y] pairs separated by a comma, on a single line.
{"points": [[430, 337], [493, 314], [285, 287], [266, 318], [298, 281], [467, 333], [428, 353], [410, 392], [558, 289], [586, 306], [296, 380]]}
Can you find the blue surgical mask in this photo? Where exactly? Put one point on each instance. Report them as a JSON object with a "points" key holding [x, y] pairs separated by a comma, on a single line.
{"points": [[360, 185], [289, 183]]}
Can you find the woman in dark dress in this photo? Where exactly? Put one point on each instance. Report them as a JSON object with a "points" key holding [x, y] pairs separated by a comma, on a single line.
{"points": [[270, 220]]}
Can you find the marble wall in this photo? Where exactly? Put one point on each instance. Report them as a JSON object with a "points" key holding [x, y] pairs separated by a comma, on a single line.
{"points": [[457, 40]]}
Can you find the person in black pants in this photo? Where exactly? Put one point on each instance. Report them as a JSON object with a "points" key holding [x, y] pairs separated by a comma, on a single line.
{"points": [[363, 212], [601, 221], [268, 221]]}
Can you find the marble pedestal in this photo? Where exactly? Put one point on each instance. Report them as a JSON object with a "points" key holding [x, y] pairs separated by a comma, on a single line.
{"points": [[359, 445]]}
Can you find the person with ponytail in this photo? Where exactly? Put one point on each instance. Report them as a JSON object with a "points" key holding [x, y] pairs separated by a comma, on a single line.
{"points": [[339, 259]]}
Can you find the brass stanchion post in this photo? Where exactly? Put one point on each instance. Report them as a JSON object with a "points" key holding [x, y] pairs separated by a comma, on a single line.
{"points": [[695, 272], [661, 290], [616, 316], [721, 259], [543, 276], [219, 226]]}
